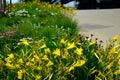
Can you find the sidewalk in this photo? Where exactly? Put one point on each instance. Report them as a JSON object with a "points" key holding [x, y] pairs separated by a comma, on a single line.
{"points": [[103, 24]]}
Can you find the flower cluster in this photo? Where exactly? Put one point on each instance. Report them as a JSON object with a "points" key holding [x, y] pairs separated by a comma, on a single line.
{"points": [[41, 58], [21, 13], [26, 41], [62, 57], [8, 34]]}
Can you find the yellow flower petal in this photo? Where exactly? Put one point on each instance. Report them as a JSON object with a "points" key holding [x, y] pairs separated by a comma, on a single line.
{"points": [[115, 38], [57, 52], [64, 56], [117, 72], [37, 77], [43, 46], [10, 66], [38, 68], [11, 55], [79, 51], [92, 42], [25, 42], [33, 59], [8, 59], [20, 61], [20, 74], [45, 57], [17, 65], [47, 50], [71, 68], [71, 45], [50, 63], [63, 41], [79, 63], [28, 63], [113, 50], [36, 57]]}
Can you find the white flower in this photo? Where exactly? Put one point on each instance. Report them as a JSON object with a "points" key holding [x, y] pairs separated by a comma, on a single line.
{"points": [[36, 9], [61, 27], [52, 14]]}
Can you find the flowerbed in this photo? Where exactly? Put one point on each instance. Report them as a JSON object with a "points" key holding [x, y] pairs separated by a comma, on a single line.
{"points": [[39, 42]]}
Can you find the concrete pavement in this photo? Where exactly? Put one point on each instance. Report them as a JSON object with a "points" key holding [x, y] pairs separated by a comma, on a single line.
{"points": [[103, 23]]}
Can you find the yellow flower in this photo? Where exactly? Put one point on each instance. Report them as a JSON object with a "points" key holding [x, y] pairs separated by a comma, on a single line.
{"points": [[71, 68], [79, 51], [39, 41], [20, 74], [20, 61], [79, 63], [7, 64], [33, 60], [115, 38], [64, 56], [112, 51], [43, 46], [28, 63], [50, 63], [25, 42], [49, 6], [38, 68], [47, 50], [71, 45], [36, 58], [17, 65], [117, 46], [10, 66], [92, 42], [11, 55], [117, 72], [63, 41], [8, 59], [37, 77], [45, 57], [57, 52]]}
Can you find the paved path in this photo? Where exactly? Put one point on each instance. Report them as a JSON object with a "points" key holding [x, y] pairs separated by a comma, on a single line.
{"points": [[104, 24]]}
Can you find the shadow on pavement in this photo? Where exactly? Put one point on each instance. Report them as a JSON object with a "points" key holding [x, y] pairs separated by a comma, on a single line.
{"points": [[89, 27]]}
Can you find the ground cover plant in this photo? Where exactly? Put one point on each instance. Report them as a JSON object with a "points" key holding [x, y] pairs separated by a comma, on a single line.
{"points": [[32, 19], [39, 41]]}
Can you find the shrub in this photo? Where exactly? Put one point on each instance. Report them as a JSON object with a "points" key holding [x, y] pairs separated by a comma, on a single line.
{"points": [[61, 58], [37, 60]]}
